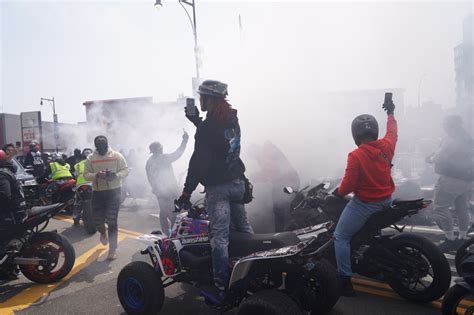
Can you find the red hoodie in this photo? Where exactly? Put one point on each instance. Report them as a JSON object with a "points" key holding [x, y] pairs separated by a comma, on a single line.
{"points": [[368, 171]]}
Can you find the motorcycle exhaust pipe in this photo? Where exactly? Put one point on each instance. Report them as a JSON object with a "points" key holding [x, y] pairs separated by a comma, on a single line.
{"points": [[29, 261]]}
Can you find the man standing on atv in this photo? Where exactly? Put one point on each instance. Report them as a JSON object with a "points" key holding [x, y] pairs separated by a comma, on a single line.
{"points": [[106, 169], [79, 169], [216, 164], [159, 171], [368, 176], [454, 162]]}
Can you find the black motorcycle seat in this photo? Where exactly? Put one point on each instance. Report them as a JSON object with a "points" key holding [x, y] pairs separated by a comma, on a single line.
{"points": [[409, 204], [243, 244], [41, 209]]}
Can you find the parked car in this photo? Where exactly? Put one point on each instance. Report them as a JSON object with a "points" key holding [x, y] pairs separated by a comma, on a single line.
{"points": [[22, 175]]}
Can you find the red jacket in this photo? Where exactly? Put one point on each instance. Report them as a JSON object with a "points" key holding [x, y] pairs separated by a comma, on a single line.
{"points": [[368, 170]]}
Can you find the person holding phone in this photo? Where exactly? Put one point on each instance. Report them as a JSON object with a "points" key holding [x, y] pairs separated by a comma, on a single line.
{"points": [[160, 174], [368, 176], [216, 164], [106, 169]]}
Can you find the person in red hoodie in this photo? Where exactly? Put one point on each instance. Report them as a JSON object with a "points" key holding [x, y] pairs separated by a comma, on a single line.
{"points": [[368, 176]]}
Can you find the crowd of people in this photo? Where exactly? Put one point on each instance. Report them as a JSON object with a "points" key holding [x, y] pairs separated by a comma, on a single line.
{"points": [[216, 164]]}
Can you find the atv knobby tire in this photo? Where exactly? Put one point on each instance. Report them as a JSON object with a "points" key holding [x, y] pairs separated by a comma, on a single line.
{"points": [[269, 302], [140, 289]]}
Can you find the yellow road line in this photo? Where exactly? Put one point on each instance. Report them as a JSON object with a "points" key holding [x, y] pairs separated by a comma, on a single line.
{"points": [[126, 232], [380, 288], [372, 283], [35, 292]]}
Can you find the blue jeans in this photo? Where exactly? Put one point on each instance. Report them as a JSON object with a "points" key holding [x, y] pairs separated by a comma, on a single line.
{"points": [[223, 209], [352, 219]]}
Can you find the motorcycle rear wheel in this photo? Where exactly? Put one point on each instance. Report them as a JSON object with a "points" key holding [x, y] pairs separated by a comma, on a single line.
{"points": [[430, 262], [87, 218], [140, 289], [452, 301], [465, 249], [56, 249]]}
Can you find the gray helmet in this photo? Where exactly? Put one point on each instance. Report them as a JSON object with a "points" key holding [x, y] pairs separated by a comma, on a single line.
{"points": [[213, 88], [364, 126]]}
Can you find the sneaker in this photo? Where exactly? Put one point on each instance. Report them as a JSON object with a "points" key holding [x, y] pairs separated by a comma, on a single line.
{"points": [[77, 220], [449, 245], [104, 239], [213, 294], [112, 254], [347, 289]]}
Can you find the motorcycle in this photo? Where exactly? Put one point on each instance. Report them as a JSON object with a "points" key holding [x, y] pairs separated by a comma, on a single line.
{"points": [[411, 264], [42, 257], [281, 271], [50, 192], [456, 300], [83, 207]]}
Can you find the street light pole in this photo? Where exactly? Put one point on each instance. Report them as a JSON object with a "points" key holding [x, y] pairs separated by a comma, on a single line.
{"points": [[419, 88], [55, 121], [193, 26]]}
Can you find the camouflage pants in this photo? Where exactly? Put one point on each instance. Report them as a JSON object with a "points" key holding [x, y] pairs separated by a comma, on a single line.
{"points": [[223, 212], [451, 192], [105, 208]]}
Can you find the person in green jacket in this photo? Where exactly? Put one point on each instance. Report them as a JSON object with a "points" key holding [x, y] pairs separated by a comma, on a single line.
{"points": [[79, 169]]}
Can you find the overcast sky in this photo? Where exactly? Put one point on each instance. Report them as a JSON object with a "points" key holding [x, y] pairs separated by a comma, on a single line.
{"points": [[78, 51]]}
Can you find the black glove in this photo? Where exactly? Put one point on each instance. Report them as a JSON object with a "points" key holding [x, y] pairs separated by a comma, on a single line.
{"points": [[389, 108], [195, 119], [183, 202], [110, 176]]}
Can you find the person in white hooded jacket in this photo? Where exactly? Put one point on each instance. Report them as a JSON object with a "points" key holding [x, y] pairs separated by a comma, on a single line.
{"points": [[106, 169]]}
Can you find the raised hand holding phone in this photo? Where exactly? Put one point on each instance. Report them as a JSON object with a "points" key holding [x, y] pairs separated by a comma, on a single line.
{"points": [[388, 105]]}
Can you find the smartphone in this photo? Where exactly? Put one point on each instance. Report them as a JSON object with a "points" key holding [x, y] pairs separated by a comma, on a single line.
{"points": [[388, 98], [190, 107]]}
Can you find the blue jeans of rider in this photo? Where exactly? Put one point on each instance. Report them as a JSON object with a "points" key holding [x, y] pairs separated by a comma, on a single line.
{"points": [[223, 210], [352, 219]]}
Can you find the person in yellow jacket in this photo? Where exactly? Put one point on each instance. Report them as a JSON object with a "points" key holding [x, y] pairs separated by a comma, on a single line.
{"points": [[58, 169], [79, 169], [106, 169]]}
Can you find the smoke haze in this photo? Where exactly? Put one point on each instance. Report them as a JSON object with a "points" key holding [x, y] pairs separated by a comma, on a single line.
{"points": [[286, 63]]}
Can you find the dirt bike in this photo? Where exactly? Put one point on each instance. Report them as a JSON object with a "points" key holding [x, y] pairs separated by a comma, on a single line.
{"points": [[412, 265], [42, 257], [83, 207], [458, 299], [282, 273]]}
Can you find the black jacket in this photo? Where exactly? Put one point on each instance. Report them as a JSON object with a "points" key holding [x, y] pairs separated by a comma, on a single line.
{"points": [[216, 157], [12, 198]]}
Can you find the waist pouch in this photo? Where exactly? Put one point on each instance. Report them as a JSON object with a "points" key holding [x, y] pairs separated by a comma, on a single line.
{"points": [[248, 193]]}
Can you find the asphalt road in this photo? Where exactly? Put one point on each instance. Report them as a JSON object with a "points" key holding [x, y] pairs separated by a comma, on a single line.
{"points": [[90, 288]]}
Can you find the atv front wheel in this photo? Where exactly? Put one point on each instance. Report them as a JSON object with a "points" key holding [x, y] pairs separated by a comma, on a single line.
{"points": [[269, 302], [321, 290], [140, 289]]}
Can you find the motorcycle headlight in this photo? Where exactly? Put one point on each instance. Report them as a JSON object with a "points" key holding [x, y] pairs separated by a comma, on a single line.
{"points": [[30, 182]]}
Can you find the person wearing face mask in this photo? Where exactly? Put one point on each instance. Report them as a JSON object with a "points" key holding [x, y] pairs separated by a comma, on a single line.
{"points": [[33, 159], [106, 169]]}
